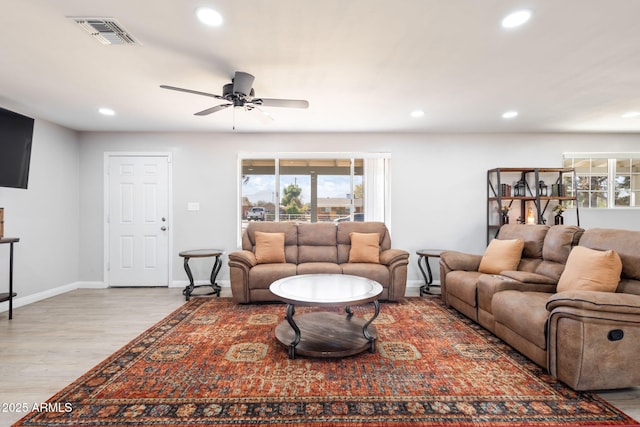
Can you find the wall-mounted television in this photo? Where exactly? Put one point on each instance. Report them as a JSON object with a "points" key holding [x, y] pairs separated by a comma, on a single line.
{"points": [[16, 135]]}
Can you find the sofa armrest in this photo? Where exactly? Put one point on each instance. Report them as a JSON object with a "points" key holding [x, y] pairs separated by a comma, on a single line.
{"points": [[490, 284], [594, 339], [240, 263], [612, 302], [243, 258], [392, 256], [454, 260], [396, 260], [528, 277]]}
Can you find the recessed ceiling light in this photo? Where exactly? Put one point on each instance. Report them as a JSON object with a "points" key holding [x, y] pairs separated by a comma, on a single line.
{"points": [[509, 114], [107, 112], [631, 114], [208, 16], [516, 19], [417, 113]]}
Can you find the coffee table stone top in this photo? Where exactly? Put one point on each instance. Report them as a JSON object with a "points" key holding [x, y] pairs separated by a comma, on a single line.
{"points": [[326, 289]]}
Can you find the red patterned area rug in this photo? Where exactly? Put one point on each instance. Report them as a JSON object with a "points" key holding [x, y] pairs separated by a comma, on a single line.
{"points": [[215, 363]]}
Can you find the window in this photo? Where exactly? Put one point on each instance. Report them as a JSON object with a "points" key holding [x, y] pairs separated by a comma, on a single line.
{"points": [[606, 180], [314, 187]]}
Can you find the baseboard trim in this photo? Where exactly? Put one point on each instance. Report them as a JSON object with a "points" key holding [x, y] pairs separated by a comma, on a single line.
{"points": [[30, 299], [184, 283], [39, 296]]}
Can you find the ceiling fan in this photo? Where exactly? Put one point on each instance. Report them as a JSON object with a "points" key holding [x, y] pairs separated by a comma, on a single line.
{"points": [[240, 93]]}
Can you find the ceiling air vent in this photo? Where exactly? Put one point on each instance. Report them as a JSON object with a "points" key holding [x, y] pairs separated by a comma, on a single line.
{"points": [[105, 30]]}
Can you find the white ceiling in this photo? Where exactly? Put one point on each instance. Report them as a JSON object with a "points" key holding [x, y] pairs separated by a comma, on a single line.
{"points": [[363, 65]]}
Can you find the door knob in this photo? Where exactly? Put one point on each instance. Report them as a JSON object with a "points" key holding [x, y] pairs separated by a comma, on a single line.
{"points": [[163, 228]]}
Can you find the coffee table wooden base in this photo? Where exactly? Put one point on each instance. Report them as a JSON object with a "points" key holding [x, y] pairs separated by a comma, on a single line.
{"points": [[327, 335]]}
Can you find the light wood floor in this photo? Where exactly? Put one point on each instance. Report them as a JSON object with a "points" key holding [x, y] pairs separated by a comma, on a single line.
{"points": [[48, 344]]}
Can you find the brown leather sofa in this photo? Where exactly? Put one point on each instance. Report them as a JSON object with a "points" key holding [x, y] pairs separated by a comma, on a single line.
{"points": [[589, 340], [314, 248]]}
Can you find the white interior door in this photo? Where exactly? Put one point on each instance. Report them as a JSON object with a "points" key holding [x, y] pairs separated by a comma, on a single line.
{"points": [[138, 220]]}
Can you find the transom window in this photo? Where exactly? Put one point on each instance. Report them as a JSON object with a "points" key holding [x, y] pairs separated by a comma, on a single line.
{"points": [[606, 180]]}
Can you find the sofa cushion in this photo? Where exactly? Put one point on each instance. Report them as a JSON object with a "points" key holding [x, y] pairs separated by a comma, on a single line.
{"points": [[290, 230], [557, 245], [317, 242], [624, 242], [263, 275], [559, 241], [377, 272], [364, 247], [269, 247], [345, 229], [532, 234], [319, 268], [501, 255], [524, 313], [591, 270], [463, 285]]}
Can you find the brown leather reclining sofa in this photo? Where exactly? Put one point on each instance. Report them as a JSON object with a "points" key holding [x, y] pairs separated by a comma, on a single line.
{"points": [[588, 339], [314, 248]]}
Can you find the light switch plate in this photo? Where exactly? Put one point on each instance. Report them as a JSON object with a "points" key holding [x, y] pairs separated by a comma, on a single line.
{"points": [[193, 206]]}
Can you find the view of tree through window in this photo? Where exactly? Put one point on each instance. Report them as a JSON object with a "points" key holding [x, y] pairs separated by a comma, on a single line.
{"points": [[606, 181], [313, 190]]}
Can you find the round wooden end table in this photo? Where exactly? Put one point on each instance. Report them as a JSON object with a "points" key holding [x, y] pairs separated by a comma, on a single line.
{"points": [[202, 253]]}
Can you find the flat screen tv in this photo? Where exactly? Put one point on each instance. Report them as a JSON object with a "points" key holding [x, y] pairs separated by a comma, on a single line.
{"points": [[16, 134]]}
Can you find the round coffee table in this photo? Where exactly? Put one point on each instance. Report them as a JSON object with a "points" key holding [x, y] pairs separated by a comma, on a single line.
{"points": [[324, 334]]}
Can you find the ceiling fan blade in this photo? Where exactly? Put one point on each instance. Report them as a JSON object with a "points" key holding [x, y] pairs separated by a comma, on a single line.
{"points": [[212, 110], [265, 117], [195, 92], [242, 83], [286, 103]]}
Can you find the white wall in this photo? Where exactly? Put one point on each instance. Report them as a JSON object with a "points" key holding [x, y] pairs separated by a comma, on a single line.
{"points": [[438, 193], [45, 216], [438, 184]]}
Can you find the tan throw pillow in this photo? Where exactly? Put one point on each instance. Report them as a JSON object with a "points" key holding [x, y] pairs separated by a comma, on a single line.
{"points": [[591, 270], [365, 247], [501, 255], [269, 248]]}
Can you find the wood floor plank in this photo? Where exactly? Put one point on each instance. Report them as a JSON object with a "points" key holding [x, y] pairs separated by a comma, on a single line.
{"points": [[49, 344]]}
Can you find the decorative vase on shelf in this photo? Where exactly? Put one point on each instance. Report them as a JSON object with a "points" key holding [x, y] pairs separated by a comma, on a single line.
{"points": [[559, 219], [505, 219]]}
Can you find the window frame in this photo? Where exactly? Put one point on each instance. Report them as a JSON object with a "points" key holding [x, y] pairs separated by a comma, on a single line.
{"points": [[376, 165], [612, 158]]}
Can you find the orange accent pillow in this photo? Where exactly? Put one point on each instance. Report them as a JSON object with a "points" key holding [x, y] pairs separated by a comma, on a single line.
{"points": [[591, 270], [501, 255], [365, 247], [269, 248]]}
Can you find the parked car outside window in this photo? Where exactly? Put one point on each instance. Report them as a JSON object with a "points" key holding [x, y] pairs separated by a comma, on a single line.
{"points": [[257, 214]]}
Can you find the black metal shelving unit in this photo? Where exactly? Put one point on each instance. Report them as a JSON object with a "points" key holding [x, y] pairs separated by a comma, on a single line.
{"points": [[519, 188]]}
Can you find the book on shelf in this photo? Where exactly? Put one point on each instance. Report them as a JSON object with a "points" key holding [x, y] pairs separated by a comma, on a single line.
{"points": [[558, 190], [505, 190]]}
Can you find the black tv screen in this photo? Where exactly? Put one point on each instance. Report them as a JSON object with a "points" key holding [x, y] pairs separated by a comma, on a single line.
{"points": [[16, 134]]}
